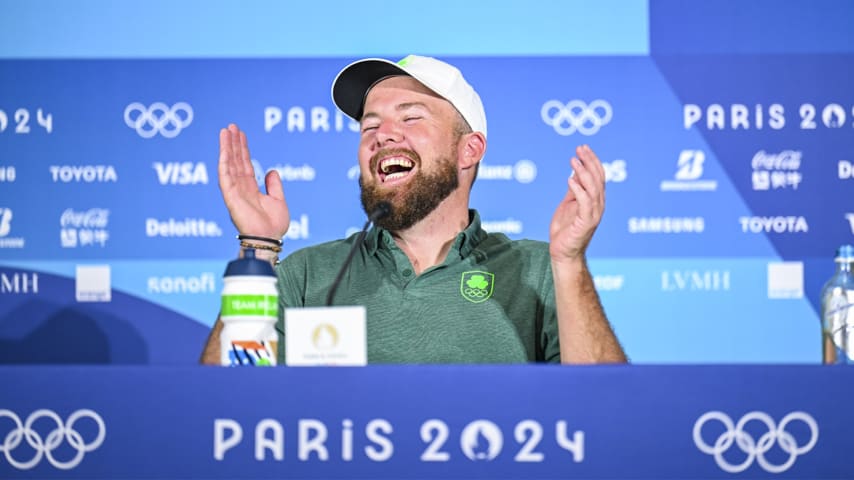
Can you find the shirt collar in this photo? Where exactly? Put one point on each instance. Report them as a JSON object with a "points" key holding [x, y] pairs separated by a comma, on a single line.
{"points": [[465, 243]]}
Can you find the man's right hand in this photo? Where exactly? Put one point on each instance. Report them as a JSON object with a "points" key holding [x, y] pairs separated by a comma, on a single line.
{"points": [[252, 212]]}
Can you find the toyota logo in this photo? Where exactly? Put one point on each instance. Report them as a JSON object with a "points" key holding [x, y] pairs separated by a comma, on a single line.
{"points": [[158, 118], [44, 447], [576, 116], [755, 448]]}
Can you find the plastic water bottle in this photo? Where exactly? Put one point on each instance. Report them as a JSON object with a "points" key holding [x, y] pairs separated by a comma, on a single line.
{"points": [[837, 311], [249, 312]]}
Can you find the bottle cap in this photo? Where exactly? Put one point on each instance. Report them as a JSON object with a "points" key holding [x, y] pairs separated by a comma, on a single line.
{"points": [[845, 253], [249, 265]]}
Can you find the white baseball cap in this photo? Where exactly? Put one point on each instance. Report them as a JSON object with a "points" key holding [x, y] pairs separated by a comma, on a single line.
{"points": [[351, 85]]}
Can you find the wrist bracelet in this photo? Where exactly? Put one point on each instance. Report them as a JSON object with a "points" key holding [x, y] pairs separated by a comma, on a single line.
{"points": [[260, 239], [257, 246]]}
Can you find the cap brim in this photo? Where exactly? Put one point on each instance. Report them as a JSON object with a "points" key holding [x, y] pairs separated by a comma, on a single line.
{"points": [[353, 82]]}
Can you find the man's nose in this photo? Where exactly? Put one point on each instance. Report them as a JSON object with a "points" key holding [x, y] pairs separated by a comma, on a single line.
{"points": [[389, 132]]}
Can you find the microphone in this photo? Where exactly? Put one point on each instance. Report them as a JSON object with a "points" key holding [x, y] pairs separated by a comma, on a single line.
{"points": [[382, 210]]}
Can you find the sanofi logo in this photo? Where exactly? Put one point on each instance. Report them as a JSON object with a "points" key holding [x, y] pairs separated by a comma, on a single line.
{"points": [[167, 285], [314, 119], [689, 169]]}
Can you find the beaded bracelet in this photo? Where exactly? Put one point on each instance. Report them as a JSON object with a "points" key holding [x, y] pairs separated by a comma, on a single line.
{"points": [[258, 246], [260, 239]]}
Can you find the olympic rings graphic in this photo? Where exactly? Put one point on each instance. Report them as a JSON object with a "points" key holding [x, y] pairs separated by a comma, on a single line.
{"points": [[45, 447], [158, 118], [475, 292], [755, 449], [576, 116]]}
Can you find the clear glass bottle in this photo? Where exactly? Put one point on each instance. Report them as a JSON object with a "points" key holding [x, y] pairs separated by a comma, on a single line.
{"points": [[837, 311]]}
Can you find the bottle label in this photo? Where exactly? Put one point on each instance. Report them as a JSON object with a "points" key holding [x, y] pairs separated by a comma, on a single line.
{"points": [[249, 306], [252, 353]]}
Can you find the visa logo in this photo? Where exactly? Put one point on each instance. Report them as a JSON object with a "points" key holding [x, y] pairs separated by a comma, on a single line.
{"points": [[181, 173]]}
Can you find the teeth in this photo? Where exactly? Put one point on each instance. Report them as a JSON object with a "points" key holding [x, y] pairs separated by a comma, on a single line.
{"points": [[393, 176], [388, 163]]}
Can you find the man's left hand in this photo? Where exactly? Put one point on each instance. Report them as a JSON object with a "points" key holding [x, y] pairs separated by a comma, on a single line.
{"points": [[579, 213]]}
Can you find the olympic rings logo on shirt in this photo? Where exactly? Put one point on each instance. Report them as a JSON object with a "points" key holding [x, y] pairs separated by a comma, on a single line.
{"points": [[45, 447], [755, 449], [576, 116], [158, 118]]}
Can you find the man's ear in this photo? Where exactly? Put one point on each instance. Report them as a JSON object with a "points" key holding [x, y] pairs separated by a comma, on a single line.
{"points": [[472, 147]]}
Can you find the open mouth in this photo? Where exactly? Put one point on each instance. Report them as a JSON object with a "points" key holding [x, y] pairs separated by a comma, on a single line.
{"points": [[394, 168]]}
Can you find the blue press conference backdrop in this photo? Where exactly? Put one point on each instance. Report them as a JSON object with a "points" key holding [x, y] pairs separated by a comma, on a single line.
{"points": [[728, 151]]}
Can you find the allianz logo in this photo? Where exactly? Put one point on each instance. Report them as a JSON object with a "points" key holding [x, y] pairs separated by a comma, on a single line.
{"points": [[695, 280], [19, 283], [315, 119], [188, 227], [608, 282], [846, 172], [668, 225], [509, 226], [524, 171], [202, 283], [790, 224], [181, 173], [83, 173]]}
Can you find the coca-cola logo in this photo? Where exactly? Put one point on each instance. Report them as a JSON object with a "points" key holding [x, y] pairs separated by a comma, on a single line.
{"points": [[92, 218], [785, 160]]}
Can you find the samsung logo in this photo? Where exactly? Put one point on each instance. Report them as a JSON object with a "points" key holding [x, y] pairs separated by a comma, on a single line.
{"points": [[666, 225]]}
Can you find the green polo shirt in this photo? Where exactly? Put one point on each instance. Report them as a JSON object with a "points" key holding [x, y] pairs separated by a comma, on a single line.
{"points": [[490, 301]]}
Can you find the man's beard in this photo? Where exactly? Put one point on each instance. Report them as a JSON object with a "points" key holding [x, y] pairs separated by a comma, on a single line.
{"points": [[412, 202]]}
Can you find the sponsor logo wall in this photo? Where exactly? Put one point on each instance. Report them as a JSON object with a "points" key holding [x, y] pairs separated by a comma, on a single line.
{"points": [[717, 167]]}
